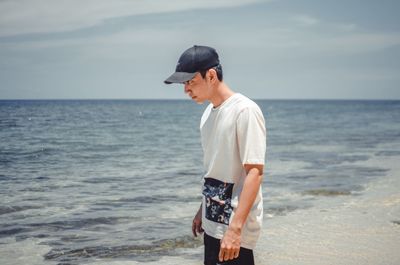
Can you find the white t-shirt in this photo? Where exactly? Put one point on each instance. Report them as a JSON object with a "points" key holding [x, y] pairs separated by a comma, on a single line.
{"points": [[233, 134]]}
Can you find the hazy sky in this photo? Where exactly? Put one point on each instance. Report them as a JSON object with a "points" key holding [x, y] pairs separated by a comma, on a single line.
{"points": [[269, 49]]}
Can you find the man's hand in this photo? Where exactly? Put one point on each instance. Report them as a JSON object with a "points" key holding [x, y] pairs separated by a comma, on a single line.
{"points": [[196, 224], [230, 245]]}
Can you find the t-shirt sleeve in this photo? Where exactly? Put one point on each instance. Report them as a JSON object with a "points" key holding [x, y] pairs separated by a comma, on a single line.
{"points": [[251, 136]]}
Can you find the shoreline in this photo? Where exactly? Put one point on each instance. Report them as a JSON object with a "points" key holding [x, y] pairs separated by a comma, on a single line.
{"points": [[347, 229], [360, 229]]}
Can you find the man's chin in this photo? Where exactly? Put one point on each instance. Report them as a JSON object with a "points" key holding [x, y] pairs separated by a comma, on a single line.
{"points": [[197, 100]]}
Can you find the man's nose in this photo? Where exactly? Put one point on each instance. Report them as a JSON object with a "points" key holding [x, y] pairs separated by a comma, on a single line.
{"points": [[186, 88]]}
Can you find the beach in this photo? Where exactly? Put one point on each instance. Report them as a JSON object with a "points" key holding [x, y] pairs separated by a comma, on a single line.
{"points": [[118, 182], [363, 229]]}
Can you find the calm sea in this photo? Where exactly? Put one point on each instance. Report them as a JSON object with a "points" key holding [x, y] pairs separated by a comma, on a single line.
{"points": [[121, 179]]}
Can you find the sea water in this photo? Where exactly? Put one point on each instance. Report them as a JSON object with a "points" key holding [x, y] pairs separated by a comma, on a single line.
{"points": [[119, 181]]}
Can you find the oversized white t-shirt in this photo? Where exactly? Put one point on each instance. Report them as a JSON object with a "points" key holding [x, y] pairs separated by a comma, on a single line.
{"points": [[233, 134]]}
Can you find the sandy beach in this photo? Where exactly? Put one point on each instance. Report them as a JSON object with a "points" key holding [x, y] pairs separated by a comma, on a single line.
{"points": [[362, 229]]}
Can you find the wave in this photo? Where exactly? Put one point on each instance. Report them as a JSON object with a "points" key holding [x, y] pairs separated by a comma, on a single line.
{"points": [[326, 192], [280, 210], [157, 248], [62, 225], [12, 209]]}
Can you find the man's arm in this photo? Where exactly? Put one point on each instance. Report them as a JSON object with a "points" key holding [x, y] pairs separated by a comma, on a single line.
{"points": [[230, 243], [196, 224]]}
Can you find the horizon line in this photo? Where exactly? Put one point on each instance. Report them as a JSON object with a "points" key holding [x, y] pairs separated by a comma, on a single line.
{"points": [[183, 99]]}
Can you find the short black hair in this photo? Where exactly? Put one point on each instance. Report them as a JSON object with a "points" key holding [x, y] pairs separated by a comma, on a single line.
{"points": [[217, 69]]}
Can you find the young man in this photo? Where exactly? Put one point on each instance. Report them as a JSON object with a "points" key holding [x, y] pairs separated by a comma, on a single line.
{"points": [[233, 138]]}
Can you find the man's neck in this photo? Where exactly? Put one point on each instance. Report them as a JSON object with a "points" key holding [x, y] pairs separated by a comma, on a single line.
{"points": [[222, 93]]}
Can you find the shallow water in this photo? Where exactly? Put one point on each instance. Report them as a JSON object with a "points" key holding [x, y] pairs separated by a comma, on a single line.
{"points": [[120, 180], [348, 230]]}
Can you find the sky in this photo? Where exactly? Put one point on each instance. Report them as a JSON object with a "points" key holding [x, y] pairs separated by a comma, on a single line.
{"points": [[269, 49]]}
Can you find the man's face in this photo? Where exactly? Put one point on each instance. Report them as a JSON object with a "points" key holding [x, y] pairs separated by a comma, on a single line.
{"points": [[197, 88]]}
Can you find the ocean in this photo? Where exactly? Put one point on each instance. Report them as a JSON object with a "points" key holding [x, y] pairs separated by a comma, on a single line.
{"points": [[102, 181]]}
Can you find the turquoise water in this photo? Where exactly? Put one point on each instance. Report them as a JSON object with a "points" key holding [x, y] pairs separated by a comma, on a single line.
{"points": [[120, 179]]}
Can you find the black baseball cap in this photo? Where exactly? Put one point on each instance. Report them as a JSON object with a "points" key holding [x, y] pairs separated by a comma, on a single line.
{"points": [[193, 60]]}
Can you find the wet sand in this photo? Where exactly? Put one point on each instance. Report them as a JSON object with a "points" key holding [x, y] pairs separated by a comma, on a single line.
{"points": [[361, 229]]}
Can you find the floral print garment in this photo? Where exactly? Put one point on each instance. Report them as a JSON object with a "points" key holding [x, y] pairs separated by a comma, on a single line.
{"points": [[218, 197]]}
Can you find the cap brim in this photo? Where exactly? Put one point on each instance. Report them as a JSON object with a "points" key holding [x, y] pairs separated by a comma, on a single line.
{"points": [[179, 77]]}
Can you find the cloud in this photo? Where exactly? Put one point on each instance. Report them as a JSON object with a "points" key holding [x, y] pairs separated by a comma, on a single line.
{"points": [[306, 35], [281, 48], [44, 16], [305, 20], [360, 42], [283, 39]]}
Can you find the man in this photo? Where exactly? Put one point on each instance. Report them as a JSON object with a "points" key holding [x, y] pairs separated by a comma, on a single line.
{"points": [[234, 142]]}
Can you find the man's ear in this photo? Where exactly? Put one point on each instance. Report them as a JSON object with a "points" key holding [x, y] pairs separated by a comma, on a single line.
{"points": [[212, 75]]}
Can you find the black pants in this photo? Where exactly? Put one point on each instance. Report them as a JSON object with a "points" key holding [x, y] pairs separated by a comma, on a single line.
{"points": [[211, 252]]}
